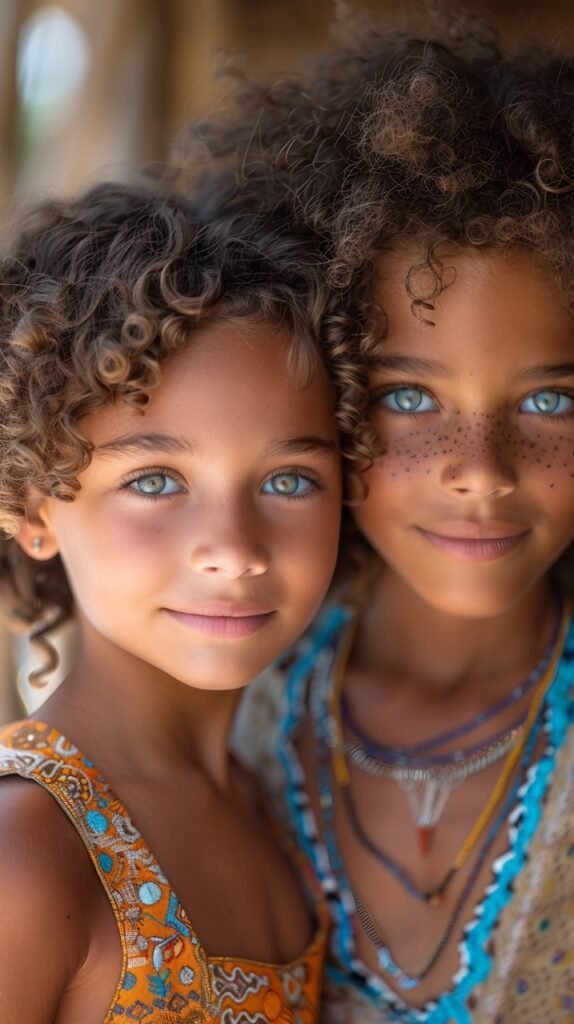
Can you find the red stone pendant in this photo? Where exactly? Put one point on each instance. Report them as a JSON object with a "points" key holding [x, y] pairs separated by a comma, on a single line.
{"points": [[427, 801], [424, 838]]}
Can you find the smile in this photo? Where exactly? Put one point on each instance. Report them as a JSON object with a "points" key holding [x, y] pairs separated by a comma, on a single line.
{"points": [[476, 542], [230, 622]]}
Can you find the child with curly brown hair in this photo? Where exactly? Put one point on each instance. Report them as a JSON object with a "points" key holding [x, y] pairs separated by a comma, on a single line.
{"points": [[170, 475], [426, 726]]}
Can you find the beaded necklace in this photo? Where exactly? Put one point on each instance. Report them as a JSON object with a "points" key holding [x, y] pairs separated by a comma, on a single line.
{"points": [[396, 756], [429, 782], [325, 727], [403, 755], [452, 773], [434, 896], [384, 956]]}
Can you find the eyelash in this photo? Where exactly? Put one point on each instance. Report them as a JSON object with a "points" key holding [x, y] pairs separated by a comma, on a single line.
{"points": [[304, 474], [162, 471], [389, 389], [557, 416], [152, 471]]}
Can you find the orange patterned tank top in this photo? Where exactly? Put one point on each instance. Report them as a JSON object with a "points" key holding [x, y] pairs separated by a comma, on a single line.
{"points": [[166, 976]]}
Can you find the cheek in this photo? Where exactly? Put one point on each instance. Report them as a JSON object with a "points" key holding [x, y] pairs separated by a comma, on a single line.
{"points": [[134, 527], [305, 551], [317, 545], [556, 460], [553, 492], [410, 449], [409, 453], [121, 550], [544, 447], [544, 463], [415, 448], [387, 491]]}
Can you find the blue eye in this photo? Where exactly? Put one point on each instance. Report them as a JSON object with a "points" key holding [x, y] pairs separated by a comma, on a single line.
{"points": [[408, 400], [287, 485], [548, 403], [155, 485]]}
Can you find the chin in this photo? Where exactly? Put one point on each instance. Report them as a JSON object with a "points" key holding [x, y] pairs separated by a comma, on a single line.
{"points": [[471, 602], [218, 676]]}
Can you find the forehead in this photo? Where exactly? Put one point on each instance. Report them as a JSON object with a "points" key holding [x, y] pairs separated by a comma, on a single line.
{"points": [[500, 302], [233, 376]]}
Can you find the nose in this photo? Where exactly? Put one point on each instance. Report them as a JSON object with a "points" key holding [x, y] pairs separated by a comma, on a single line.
{"points": [[230, 546], [485, 470]]}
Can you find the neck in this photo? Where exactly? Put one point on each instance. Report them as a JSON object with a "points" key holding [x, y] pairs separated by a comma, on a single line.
{"points": [[137, 721], [403, 637]]}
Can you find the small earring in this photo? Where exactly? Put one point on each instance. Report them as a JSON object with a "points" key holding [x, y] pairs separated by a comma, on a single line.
{"points": [[37, 544]]}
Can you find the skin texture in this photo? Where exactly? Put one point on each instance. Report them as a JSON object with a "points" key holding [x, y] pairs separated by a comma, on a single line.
{"points": [[475, 452], [215, 534], [149, 699], [443, 637]]}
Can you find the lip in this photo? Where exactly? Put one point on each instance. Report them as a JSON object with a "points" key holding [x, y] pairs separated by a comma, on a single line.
{"points": [[223, 619], [475, 541]]}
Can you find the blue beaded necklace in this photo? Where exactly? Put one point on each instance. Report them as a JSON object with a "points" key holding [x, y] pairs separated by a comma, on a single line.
{"points": [[404, 755], [322, 720]]}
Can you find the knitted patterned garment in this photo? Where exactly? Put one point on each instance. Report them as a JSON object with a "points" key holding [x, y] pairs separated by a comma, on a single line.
{"points": [[528, 909], [166, 976]]}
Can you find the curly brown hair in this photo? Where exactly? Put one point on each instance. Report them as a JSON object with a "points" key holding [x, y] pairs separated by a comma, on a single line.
{"points": [[95, 292], [441, 137]]}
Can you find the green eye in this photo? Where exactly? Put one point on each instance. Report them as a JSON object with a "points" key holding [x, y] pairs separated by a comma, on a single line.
{"points": [[548, 403], [408, 400], [287, 485], [155, 485]]}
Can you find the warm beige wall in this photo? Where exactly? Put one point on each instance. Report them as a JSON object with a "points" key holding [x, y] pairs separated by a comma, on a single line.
{"points": [[153, 66], [152, 69]]}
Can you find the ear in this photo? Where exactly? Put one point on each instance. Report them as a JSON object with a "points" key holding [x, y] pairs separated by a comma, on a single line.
{"points": [[36, 536]]}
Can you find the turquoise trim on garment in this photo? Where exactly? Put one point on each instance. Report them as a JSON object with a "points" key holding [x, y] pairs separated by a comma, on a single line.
{"points": [[294, 704], [525, 819], [298, 806], [451, 1007]]}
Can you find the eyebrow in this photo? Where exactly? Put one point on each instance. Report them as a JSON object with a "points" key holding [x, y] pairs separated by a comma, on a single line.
{"points": [[412, 364], [127, 444], [309, 444], [549, 371], [427, 367]]}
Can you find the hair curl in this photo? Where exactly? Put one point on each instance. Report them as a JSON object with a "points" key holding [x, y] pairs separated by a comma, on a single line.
{"points": [[440, 137], [95, 292]]}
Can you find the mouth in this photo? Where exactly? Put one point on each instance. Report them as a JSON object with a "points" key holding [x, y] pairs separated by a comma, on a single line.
{"points": [[475, 542], [230, 620]]}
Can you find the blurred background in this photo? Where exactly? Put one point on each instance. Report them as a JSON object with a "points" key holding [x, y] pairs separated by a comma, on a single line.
{"points": [[92, 88]]}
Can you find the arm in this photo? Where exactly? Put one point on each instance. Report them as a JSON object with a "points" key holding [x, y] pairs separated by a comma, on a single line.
{"points": [[42, 936]]}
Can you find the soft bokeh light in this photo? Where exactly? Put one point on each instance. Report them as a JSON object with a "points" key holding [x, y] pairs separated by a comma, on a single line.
{"points": [[53, 57]]}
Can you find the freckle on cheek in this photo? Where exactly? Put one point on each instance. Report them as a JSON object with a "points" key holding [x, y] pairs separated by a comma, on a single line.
{"points": [[483, 433]]}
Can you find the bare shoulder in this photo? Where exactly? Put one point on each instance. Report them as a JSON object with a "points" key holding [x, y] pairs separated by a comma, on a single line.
{"points": [[43, 927]]}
